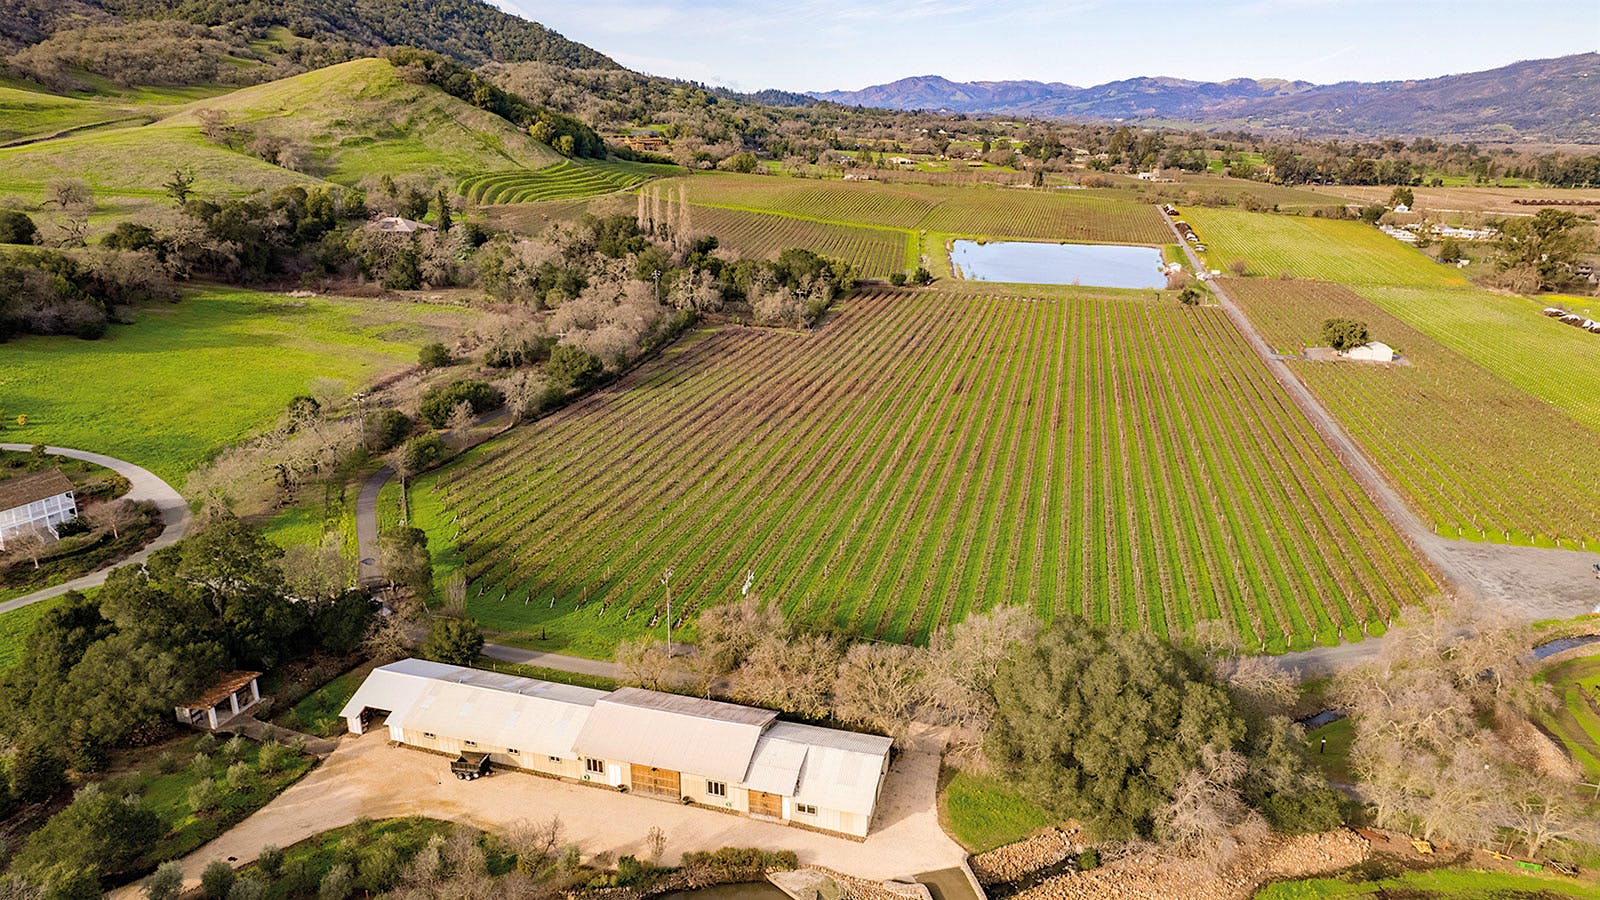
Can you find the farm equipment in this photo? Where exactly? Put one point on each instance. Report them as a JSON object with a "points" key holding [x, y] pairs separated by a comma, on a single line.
{"points": [[470, 766], [1423, 847]]}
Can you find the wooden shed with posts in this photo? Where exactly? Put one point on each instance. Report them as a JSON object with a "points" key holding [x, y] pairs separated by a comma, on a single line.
{"points": [[233, 694]]}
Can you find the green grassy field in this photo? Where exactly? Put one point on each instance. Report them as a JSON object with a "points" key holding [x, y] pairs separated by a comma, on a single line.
{"points": [[1333, 758], [356, 119], [1325, 249], [1576, 720], [218, 366], [318, 712], [923, 455], [25, 113], [1475, 455], [15, 626], [983, 813], [1433, 884]]}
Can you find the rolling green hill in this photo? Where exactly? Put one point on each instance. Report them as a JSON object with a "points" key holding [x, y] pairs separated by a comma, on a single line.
{"points": [[350, 120]]}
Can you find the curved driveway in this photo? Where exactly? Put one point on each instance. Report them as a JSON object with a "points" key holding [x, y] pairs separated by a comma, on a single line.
{"points": [[145, 486]]}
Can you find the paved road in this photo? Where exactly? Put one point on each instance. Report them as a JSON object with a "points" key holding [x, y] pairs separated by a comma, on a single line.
{"points": [[367, 571], [1528, 583], [146, 486]]}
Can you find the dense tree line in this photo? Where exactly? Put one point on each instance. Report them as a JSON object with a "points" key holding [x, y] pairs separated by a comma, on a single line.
{"points": [[47, 292], [568, 135], [104, 672]]}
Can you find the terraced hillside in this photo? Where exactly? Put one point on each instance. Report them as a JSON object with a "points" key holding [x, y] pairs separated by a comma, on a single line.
{"points": [[565, 180], [1474, 455], [927, 454]]}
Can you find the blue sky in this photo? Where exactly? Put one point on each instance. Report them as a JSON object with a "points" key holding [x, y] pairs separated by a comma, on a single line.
{"points": [[828, 44]]}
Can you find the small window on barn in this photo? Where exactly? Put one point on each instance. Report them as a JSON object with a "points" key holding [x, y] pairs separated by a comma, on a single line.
{"points": [[555, 759], [429, 734], [513, 751], [805, 809], [470, 743], [717, 788], [595, 765]]}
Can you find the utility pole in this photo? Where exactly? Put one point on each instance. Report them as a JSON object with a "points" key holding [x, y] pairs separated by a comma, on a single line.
{"points": [[666, 579], [657, 276]]}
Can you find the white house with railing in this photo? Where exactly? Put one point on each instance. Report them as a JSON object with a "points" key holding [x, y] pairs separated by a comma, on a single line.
{"points": [[35, 503]]}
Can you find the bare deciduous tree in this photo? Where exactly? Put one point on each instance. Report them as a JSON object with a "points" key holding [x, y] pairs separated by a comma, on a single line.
{"points": [[792, 675], [114, 516], [880, 686]]}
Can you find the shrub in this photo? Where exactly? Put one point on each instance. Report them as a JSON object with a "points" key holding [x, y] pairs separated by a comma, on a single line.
{"points": [[898, 279], [572, 368], [629, 870], [233, 749], [36, 772], [239, 776], [217, 880], [1088, 859], [424, 450], [439, 402], [166, 883], [200, 764], [270, 859], [250, 887], [1239, 267], [384, 429], [433, 356], [338, 883], [202, 796], [454, 641], [922, 277], [97, 831], [16, 227]]}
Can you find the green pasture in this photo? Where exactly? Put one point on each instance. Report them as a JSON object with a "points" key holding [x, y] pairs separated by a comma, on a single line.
{"points": [[1432, 884], [356, 119], [1341, 250], [220, 365], [983, 812]]}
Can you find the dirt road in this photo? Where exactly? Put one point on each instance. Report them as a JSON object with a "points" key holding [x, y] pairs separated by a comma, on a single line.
{"points": [[1528, 583]]}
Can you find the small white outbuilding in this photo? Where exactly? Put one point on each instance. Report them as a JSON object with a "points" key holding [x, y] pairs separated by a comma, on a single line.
{"points": [[1372, 351]]}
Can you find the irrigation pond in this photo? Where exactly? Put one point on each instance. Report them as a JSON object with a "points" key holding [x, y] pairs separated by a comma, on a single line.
{"points": [[1031, 262]]}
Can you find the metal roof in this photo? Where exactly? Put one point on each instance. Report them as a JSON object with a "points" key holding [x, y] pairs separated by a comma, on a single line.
{"points": [[668, 731], [529, 720], [841, 767], [724, 741]]}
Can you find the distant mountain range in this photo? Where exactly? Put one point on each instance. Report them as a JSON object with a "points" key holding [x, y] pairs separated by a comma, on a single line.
{"points": [[1547, 99]]}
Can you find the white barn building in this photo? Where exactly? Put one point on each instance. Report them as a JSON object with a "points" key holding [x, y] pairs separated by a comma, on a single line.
{"points": [[664, 746], [35, 503]]}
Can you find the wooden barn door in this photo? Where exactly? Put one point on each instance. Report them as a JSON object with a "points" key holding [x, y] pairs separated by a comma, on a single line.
{"points": [[656, 782], [765, 804]]}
